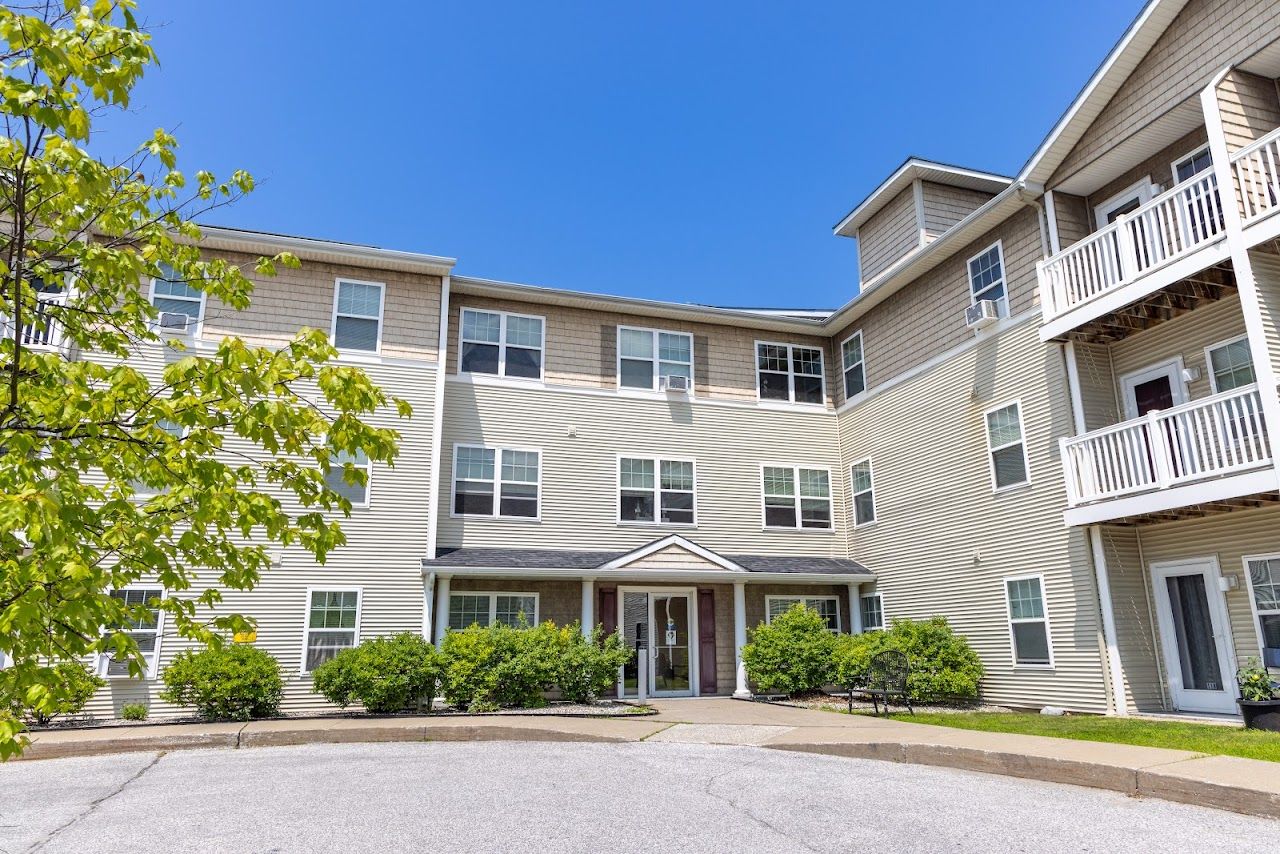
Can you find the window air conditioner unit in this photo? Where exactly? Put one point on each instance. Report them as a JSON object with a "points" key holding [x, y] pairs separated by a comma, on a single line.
{"points": [[674, 384], [173, 321], [982, 314]]}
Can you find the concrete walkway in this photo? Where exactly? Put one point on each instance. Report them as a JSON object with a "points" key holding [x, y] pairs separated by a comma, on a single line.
{"points": [[1241, 785]]}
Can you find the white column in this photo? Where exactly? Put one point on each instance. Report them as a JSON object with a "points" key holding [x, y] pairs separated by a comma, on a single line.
{"points": [[442, 609], [428, 603], [740, 636], [588, 606], [1115, 688], [855, 608]]}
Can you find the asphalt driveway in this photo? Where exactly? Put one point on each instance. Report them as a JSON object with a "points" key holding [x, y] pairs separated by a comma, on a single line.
{"points": [[523, 796]]}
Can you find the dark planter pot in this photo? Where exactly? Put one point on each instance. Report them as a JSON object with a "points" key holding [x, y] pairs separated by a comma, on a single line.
{"points": [[1261, 714]]}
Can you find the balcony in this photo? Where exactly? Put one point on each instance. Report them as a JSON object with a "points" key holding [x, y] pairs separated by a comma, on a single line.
{"points": [[1210, 450], [1256, 168], [1134, 256], [40, 331]]}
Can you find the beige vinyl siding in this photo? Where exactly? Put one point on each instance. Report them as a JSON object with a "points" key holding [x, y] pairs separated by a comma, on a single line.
{"points": [[944, 206], [581, 435], [581, 347], [1156, 170], [1206, 36], [1135, 624], [925, 319], [1073, 217], [1097, 385], [1250, 107], [1266, 274], [1228, 537], [888, 236], [934, 554]]}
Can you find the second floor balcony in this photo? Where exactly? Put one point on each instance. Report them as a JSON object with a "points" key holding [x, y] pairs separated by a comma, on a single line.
{"points": [[39, 331]]}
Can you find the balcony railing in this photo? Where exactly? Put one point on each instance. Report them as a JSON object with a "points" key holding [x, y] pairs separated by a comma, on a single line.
{"points": [[1257, 171], [40, 330], [1218, 435], [1173, 224]]}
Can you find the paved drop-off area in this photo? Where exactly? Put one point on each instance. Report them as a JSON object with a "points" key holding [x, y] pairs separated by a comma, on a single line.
{"points": [[513, 796]]}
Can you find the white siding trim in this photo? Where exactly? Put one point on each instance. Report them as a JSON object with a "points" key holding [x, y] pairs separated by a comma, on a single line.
{"points": [[437, 435]]}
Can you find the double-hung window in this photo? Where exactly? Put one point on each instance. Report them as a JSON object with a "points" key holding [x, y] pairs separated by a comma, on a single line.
{"points": [[1006, 445], [647, 356], [1230, 365], [864, 499], [655, 491], [855, 372], [173, 295], [1264, 586], [789, 372], [357, 316], [486, 609], [1028, 621], [333, 624], [828, 607], [986, 278], [144, 629], [501, 343], [872, 610], [796, 497], [496, 482], [356, 493]]}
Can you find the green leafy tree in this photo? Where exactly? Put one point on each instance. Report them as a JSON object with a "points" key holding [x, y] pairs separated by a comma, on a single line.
{"points": [[185, 473]]}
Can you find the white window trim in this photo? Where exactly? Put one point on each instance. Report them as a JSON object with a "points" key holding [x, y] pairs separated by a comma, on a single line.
{"points": [[100, 666], [1208, 361], [497, 483], [795, 475], [1003, 302], [382, 308], [193, 329], [306, 620], [805, 598], [791, 374], [854, 493], [656, 333], [1144, 189], [493, 604], [991, 451], [1048, 626], [884, 620], [368, 484], [844, 371], [1195, 152], [1253, 603], [657, 490], [504, 316]]}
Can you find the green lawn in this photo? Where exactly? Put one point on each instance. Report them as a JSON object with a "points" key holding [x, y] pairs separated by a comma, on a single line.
{"points": [[1201, 738]]}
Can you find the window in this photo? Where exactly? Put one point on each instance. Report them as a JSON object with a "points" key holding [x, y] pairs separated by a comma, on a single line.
{"points": [[986, 278], [784, 486], [1230, 365], [864, 500], [480, 474], [357, 316], [655, 491], [502, 344], [828, 607], [789, 372], [647, 355], [872, 609], [145, 632], [1028, 625], [1193, 164], [485, 609], [1006, 445], [333, 624], [357, 494], [1264, 586], [172, 294], [855, 377]]}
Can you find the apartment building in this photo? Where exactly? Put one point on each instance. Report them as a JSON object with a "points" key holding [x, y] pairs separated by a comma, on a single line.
{"points": [[1046, 415]]}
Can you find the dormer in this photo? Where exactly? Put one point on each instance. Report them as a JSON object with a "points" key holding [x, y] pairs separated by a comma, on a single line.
{"points": [[919, 202]]}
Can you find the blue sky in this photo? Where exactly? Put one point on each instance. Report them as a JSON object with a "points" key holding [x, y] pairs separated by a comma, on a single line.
{"points": [[696, 152]]}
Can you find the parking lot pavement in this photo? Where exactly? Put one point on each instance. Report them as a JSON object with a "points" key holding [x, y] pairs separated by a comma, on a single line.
{"points": [[523, 796]]}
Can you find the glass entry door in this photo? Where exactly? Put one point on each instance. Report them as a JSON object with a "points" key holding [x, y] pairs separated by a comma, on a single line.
{"points": [[658, 624], [1193, 634]]}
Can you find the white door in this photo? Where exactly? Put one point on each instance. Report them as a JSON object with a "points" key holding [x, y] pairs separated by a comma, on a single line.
{"points": [[1157, 387], [1194, 635], [661, 624]]}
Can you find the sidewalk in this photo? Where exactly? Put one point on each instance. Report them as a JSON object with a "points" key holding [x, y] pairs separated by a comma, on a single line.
{"points": [[1240, 785]]}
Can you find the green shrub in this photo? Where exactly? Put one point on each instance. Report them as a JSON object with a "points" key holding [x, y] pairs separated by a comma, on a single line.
{"points": [[386, 674], [853, 658], [470, 656], [487, 668], [792, 654], [65, 688], [588, 667], [134, 711], [236, 682], [943, 665]]}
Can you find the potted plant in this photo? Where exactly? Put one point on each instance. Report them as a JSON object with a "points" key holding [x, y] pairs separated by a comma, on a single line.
{"points": [[1259, 697]]}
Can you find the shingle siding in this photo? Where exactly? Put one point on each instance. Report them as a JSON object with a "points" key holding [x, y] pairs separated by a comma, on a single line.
{"points": [[944, 206], [889, 235]]}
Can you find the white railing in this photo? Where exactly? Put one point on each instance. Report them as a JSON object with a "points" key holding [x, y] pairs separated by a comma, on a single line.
{"points": [[1257, 171], [1218, 435], [1171, 225], [39, 330]]}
